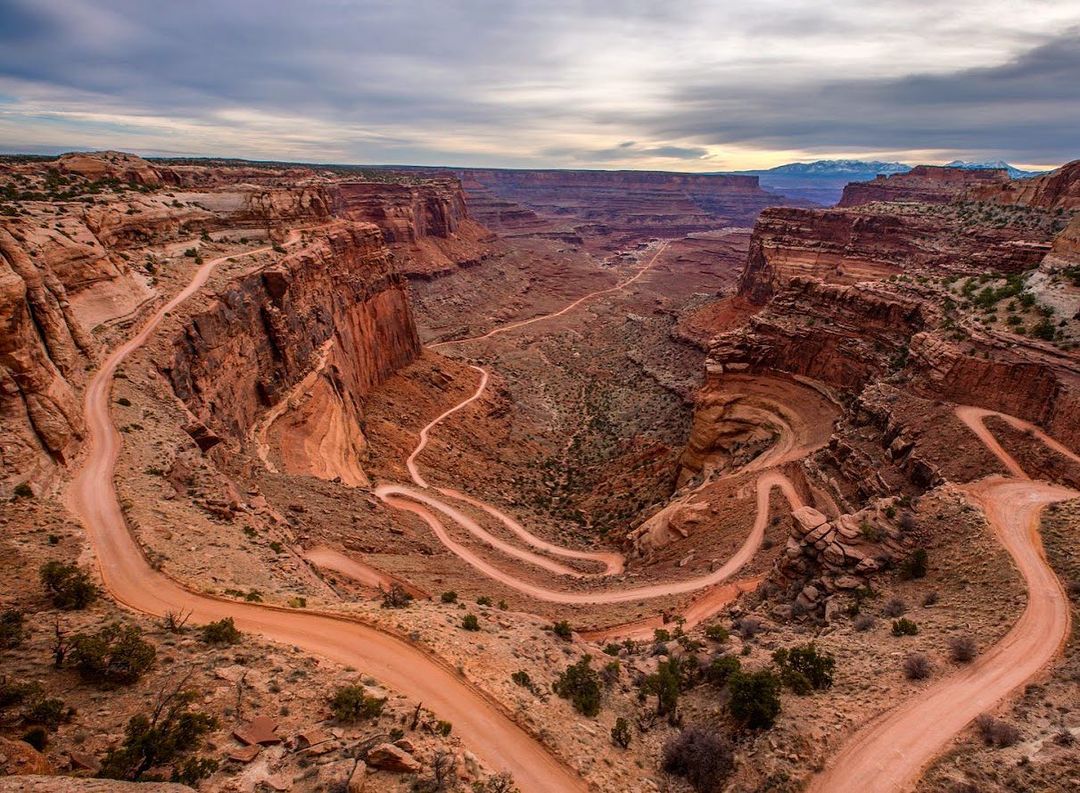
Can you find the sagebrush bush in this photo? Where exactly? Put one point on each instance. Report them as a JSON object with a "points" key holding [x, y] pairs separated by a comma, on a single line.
{"points": [[962, 649], [904, 627], [864, 622], [803, 668], [917, 667], [115, 655], [69, 586], [703, 757], [996, 732], [894, 607], [351, 704], [222, 632]]}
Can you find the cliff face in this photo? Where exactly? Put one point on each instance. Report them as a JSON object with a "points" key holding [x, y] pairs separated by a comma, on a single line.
{"points": [[636, 202], [924, 184], [88, 237], [849, 245], [264, 332], [42, 348], [1059, 189]]}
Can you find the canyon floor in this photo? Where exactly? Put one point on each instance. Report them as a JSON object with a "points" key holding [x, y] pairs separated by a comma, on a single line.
{"points": [[443, 443]]}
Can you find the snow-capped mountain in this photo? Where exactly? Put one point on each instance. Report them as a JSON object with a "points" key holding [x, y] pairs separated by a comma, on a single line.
{"points": [[844, 168], [1014, 173]]}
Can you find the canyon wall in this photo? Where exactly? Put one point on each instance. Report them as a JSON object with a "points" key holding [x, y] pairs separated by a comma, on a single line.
{"points": [[43, 352], [924, 184], [1059, 189], [263, 333], [641, 203], [846, 246]]}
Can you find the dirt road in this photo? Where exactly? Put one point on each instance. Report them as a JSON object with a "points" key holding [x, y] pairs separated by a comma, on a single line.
{"points": [[891, 752], [480, 722]]}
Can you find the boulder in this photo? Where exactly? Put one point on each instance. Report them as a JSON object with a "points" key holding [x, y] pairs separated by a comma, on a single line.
{"points": [[387, 757]]}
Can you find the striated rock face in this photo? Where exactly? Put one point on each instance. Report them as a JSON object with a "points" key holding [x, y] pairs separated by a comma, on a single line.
{"points": [[849, 245], [110, 165], [642, 203], [263, 333], [924, 184], [42, 351], [1059, 189]]}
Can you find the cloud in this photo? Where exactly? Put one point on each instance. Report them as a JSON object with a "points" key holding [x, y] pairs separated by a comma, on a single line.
{"points": [[510, 82]]}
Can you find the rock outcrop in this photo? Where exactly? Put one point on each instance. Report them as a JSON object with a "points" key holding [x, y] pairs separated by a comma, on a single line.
{"points": [[263, 333], [1059, 189], [846, 246], [924, 184]]}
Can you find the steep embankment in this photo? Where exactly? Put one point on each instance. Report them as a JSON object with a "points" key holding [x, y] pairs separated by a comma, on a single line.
{"points": [[128, 576], [334, 315], [891, 752]]}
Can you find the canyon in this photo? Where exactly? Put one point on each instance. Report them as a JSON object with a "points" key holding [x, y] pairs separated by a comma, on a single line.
{"points": [[652, 420]]}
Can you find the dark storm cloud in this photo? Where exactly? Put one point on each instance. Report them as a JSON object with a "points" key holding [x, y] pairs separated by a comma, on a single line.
{"points": [[1027, 109], [516, 82]]}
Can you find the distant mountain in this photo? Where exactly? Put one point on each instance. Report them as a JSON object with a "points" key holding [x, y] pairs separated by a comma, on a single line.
{"points": [[1014, 173], [845, 168], [821, 181]]}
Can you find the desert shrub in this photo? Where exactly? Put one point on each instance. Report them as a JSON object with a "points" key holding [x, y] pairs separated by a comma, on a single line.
{"points": [[931, 599], [620, 733], [894, 607], [755, 698], [917, 667], [23, 490], [666, 684], [470, 622], [580, 684], [351, 704], [803, 668], [500, 783], [69, 586], [661, 635], [996, 732], [38, 737], [864, 622], [962, 649], [160, 739], [14, 693], [749, 627], [718, 633], [221, 632], [396, 597], [47, 712], [115, 655], [450, 596], [612, 649], [915, 565], [483, 600], [611, 672], [721, 668], [11, 628], [904, 627], [563, 630], [703, 757]]}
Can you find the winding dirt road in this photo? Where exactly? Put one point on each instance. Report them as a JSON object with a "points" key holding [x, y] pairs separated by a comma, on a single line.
{"points": [[480, 722], [892, 751]]}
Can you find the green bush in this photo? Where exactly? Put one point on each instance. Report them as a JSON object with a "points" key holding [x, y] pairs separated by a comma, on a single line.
{"points": [[563, 630], [11, 628], [620, 733], [470, 622], [68, 585], [351, 704], [115, 655], [483, 600], [914, 566], [221, 632], [449, 596], [804, 669], [666, 684], [718, 633], [161, 739], [755, 698], [904, 627], [580, 684], [612, 649], [721, 668], [396, 597]]}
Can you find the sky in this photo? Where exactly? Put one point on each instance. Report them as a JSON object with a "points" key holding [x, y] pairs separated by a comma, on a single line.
{"points": [[673, 85]]}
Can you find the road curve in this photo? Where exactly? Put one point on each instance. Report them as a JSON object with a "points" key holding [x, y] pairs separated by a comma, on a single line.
{"points": [[481, 722], [891, 752]]}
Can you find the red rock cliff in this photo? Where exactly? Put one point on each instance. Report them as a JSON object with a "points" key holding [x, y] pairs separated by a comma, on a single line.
{"points": [[262, 334], [924, 184]]}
